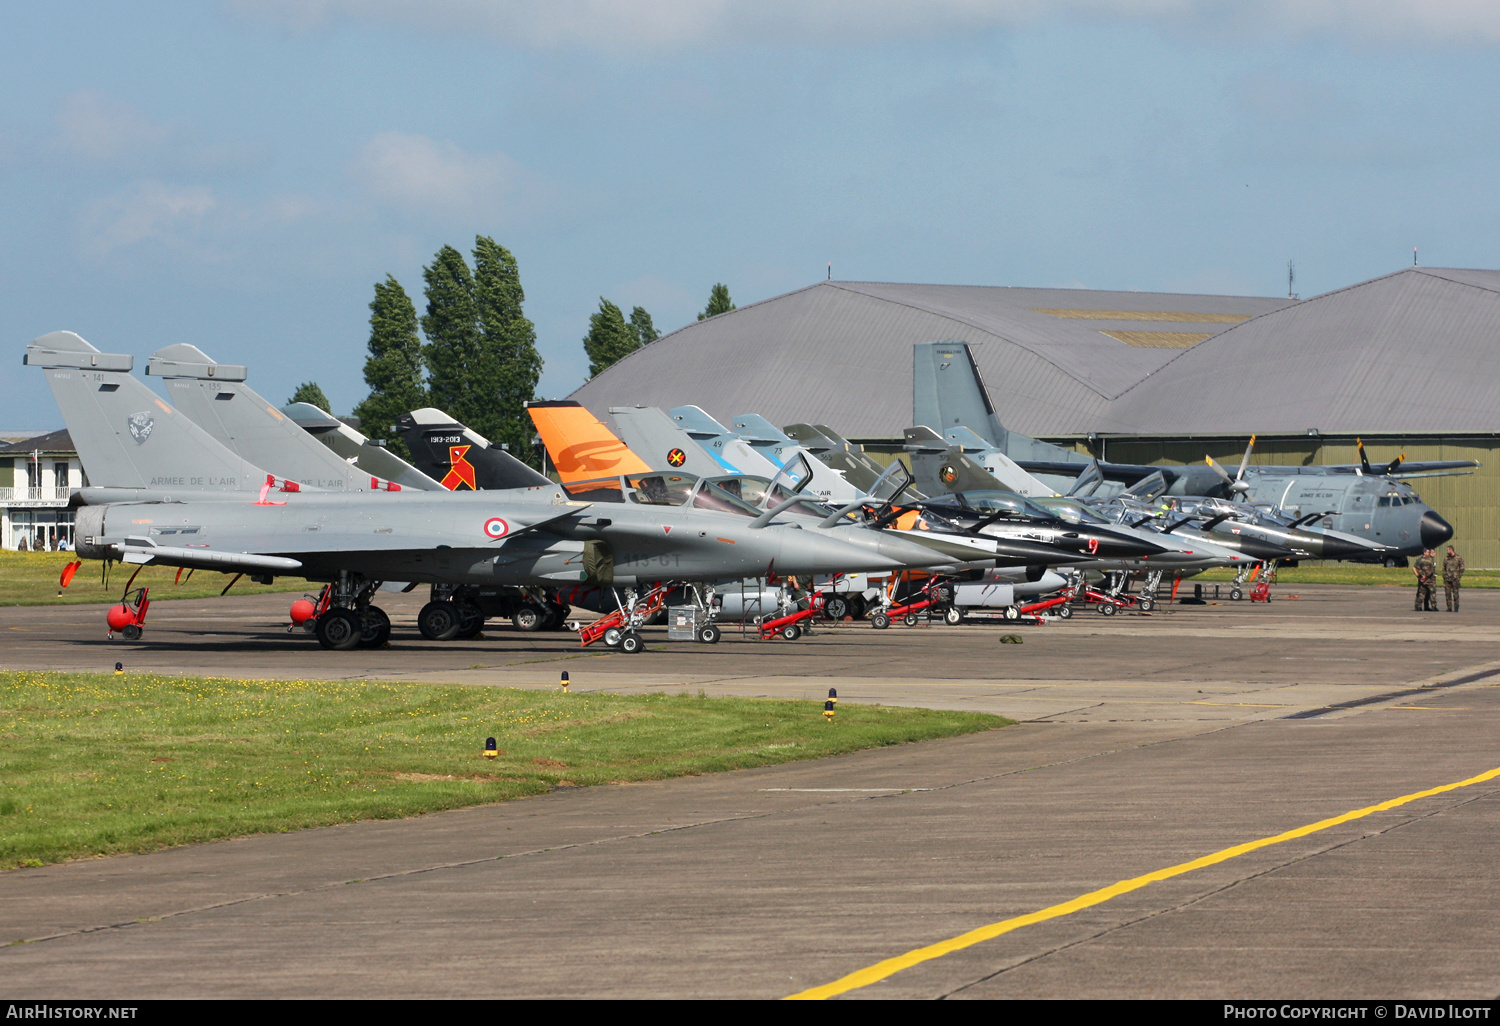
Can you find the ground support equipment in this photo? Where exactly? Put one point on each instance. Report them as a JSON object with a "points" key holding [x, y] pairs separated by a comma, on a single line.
{"points": [[790, 626], [128, 616], [621, 628]]}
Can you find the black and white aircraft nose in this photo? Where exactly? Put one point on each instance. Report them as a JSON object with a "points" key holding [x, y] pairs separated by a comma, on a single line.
{"points": [[1435, 530]]}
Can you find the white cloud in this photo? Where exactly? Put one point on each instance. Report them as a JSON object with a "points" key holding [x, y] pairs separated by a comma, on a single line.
{"points": [[93, 125], [416, 174], [148, 210], [672, 24]]}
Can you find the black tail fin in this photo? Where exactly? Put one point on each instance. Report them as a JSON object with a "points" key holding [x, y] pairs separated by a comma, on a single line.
{"points": [[458, 457]]}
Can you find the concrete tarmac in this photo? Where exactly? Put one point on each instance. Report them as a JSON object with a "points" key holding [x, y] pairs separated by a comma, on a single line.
{"points": [[1146, 742]]}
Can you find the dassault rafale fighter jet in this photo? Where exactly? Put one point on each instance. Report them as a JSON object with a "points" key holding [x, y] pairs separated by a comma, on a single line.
{"points": [[163, 491], [1370, 502]]}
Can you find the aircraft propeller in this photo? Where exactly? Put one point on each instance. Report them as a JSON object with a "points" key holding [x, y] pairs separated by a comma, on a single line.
{"points": [[1237, 484]]}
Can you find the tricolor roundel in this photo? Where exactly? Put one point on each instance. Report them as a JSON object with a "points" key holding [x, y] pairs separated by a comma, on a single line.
{"points": [[495, 528]]}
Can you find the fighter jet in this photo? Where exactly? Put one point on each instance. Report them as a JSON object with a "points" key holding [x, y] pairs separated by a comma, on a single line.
{"points": [[1368, 502], [173, 495]]}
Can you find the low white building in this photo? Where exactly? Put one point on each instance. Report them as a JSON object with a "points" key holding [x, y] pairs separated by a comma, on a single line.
{"points": [[38, 477]]}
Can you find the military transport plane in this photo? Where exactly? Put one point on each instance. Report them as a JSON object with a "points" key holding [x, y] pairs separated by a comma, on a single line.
{"points": [[1369, 502], [163, 491]]}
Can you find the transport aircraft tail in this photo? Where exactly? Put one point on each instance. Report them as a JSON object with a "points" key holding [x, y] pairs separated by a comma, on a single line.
{"points": [[579, 445], [126, 436], [458, 457], [947, 392]]}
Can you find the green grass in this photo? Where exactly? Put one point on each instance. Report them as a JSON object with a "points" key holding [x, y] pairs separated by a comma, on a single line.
{"points": [[1353, 573], [95, 764], [30, 579]]}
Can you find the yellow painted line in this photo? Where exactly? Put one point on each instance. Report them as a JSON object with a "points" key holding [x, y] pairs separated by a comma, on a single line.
{"points": [[891, 966], [1248, 705]]}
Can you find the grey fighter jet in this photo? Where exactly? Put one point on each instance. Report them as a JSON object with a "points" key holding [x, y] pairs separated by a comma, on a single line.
{"points": [[173, 495]]}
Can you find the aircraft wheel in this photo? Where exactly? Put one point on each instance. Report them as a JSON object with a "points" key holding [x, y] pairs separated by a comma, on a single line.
{"points": [[791, 632], [1147, 605], [880, 621], [131, 632], [709, 635], [528, 618], [953, 616], [1012, 613], [1236, 594], [559, 620], [631, 643], [857, 607], [1106, 609], [338, 630], [910, 619], [836, 608], [1065, 611], [375, 627], [613, 636], [438, 621]]}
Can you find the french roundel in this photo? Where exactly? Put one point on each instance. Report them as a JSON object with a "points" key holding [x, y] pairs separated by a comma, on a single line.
{"points": [[494, 527]]}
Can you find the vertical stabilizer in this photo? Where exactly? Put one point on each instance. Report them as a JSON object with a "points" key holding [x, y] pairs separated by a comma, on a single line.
{"points": [[948, 392], [126, 436], [661, 442], [216, 398], [458, 457], [580, 446], [371, 457], [723, 443]]}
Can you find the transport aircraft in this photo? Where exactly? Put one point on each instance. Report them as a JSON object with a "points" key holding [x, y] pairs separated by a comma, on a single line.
{"points": [[163, 491], [1372, 503]]}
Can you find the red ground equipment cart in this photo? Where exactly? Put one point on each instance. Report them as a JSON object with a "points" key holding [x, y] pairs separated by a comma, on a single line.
{"points": [[128, 616]]}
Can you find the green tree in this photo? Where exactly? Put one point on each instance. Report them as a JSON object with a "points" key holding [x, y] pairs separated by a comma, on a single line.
{"points": [[510, 363], [393, 369], [718, 302], [609, 339], [309, 392], [641, 327], [459, 381]]}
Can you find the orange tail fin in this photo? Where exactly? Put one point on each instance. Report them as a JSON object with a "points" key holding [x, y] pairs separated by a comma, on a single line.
{"points": [[579, 446]]}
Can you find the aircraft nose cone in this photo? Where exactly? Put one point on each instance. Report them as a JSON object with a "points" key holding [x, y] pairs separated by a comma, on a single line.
{"points": [[1434, 530]]}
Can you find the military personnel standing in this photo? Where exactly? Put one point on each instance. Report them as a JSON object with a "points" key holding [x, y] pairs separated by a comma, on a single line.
{"points": [[1426, 570], [1453, 572]]}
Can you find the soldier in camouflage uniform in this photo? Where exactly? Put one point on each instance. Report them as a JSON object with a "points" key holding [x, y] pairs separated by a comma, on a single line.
{"points": [[1453, 572], [1425, 569]]}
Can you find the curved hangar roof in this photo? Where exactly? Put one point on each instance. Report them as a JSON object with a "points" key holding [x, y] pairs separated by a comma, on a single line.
{"points": [[1408, 353], [840, 352]]}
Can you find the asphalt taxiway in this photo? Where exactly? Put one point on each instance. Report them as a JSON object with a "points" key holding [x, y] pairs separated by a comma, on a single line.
{"points": [[1146, 742]]}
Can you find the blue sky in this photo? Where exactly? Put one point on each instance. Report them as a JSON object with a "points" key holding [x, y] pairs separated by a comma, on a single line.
{"points": [[238, 175]]}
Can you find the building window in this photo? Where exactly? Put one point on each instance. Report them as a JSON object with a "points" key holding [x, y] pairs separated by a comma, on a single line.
{"points": [[60, 476]]}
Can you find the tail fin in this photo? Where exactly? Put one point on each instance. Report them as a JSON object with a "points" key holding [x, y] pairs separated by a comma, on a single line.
{"points": [[458, 457], [854, 465], [579, 445], [941, 469], [661, 442], [126, 436], [372, 458], [216, 398], [948, 392], [722, 443]]}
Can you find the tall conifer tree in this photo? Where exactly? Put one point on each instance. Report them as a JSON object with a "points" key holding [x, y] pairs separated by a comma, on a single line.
{"points": [[609, 339], [460, 381], [718, 302], [509, 362], [641, 327], [393, 369]]}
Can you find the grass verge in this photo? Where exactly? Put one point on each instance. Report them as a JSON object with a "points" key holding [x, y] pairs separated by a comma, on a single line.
{"points": [[96, 764], [1353, 573], [30, 579]]}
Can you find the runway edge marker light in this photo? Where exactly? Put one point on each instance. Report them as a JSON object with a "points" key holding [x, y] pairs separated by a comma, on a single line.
{"points": [[833, 700], [563, 683], [490, 751]]}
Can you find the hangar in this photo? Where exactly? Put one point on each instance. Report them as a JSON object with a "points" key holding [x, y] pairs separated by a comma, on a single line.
{"points": [[1406, 361]]}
